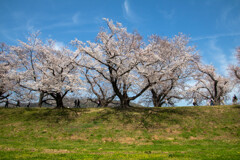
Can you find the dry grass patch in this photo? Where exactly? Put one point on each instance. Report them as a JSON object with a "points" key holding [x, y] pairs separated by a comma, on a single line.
{"points": [[122, 140], [78, 137], [56, 151], [8, 149], [107, 139], [92, 110], [126, 140], [196, 138]]}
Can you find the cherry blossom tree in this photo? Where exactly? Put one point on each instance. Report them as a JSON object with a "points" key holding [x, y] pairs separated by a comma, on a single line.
{"points": [[128, 64], [6, 85], [167, 92], [100, 90], [9, 90], [46, 69], [116, 57], [25, 56], [119, 65], [172, 69], [234, 70], [209, 84]]}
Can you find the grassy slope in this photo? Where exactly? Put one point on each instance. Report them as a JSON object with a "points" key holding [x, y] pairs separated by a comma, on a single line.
{"points": [[105, 133]]}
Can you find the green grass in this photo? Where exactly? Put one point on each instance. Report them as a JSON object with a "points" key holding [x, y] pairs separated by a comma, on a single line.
{"points": [[106, 133]]}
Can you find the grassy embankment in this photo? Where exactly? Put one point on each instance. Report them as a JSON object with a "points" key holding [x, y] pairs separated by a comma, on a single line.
{"points": [[105, 133]]}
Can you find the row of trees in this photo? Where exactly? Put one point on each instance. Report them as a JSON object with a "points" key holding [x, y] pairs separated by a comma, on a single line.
{"points": [[118, 66]]}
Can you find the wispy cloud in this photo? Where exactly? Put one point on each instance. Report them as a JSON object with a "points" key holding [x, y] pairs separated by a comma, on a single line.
{"points": [[6, 34], [220, 59], [232, 57], [167, 14], [226, 13], [23, 24], [229, 18], [128, 12], [215, 36], [127, 8], [75, 18], [56, 25]]}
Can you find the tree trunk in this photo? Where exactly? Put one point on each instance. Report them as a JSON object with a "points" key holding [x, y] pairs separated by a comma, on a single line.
{"points": [[103, 103], [124, 98], [156, 99], [59, 101], [40, 102], [217, 101], [124, 103], [156, 102]]}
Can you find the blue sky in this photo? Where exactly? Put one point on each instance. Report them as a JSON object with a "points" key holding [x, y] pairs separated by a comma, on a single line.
{"points": [[213, 25]]}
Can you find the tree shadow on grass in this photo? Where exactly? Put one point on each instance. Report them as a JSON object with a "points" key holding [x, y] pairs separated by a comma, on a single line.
{"points": [[149, 118], [137, 117], [54, 115], [237, 106]]}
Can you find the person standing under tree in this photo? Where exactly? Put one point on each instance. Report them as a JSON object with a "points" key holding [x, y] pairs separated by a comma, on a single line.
{"points": [[212, 102], [222, 101], [194, 102], [98, 103], [75, 103], [6, 103], [78, 103], [208, 102], [166, 102], [28, 105], [234, 99], [18, 103]]}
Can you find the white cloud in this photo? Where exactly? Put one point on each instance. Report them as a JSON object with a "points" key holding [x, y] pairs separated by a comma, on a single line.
{"points": [[128, 13], [216, 36], [220, 59], [167, 14], [213, 46], [232, 58], [225, 13], [126, 7], [229, 18], [7, 34], [30, 26], [58, 45], [75, 18]]}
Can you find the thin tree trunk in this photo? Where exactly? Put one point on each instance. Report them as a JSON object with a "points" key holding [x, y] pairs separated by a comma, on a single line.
{"points": [[40, 102], [103, 103], [217, 101]]}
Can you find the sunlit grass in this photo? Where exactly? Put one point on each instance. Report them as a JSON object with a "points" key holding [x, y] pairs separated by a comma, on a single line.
{"points": [[105, 133]]}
